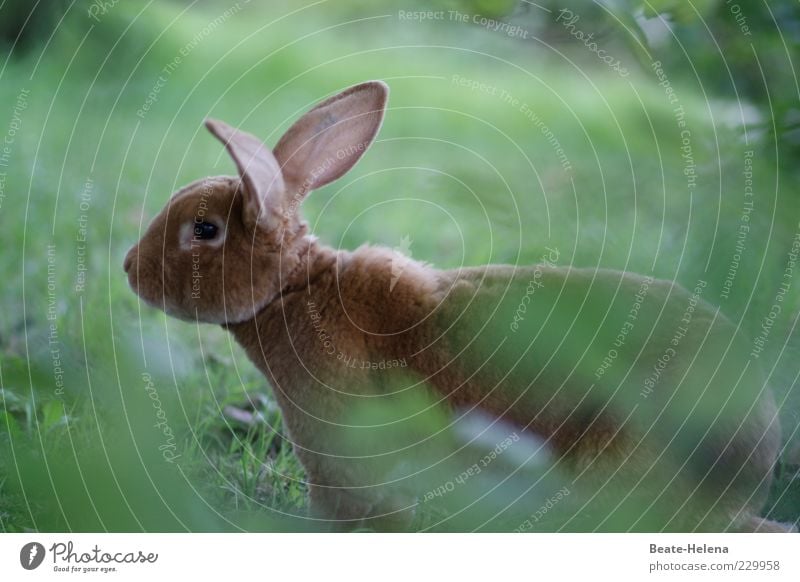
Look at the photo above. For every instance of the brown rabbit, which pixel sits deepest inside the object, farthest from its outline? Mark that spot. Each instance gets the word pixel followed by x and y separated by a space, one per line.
pixel 643 390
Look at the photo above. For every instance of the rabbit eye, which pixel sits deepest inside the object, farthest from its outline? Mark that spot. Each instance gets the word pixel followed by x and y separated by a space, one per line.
pixel 205 230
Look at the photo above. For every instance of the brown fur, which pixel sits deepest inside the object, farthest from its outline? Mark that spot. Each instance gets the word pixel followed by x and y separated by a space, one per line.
pixel 304 312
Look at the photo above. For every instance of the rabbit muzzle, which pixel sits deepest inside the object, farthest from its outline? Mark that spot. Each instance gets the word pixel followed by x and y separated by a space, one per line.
pixel 143 277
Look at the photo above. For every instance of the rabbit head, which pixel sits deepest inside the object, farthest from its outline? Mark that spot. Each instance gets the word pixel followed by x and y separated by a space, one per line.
pixel 224 247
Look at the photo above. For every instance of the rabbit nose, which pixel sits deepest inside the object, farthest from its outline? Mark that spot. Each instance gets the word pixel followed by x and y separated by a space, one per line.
pixel 128 261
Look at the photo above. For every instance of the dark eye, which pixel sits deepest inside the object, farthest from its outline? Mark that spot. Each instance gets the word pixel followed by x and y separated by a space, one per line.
pixel 205 230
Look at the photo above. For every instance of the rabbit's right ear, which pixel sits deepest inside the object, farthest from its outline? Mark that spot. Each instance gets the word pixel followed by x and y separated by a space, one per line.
pixel 259 171
pixel 328 140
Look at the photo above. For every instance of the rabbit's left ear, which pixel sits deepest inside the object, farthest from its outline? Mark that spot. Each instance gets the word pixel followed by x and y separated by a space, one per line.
pixel 260 173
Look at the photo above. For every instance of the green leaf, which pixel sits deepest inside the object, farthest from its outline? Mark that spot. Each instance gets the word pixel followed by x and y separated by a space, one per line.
pixel 10 401
pixel 10 425
pixel 491 8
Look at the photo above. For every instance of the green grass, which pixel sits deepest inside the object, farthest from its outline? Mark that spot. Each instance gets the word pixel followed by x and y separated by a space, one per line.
pixel 494 191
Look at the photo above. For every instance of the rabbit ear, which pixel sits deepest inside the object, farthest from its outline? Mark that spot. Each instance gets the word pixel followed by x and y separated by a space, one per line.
pixel 260 173
pixel 328 140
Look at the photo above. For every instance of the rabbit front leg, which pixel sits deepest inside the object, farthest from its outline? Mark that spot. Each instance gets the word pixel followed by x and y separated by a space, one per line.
pixel 348 489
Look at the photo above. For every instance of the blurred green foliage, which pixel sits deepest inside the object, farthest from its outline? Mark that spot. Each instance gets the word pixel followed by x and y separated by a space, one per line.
pixel 27 23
